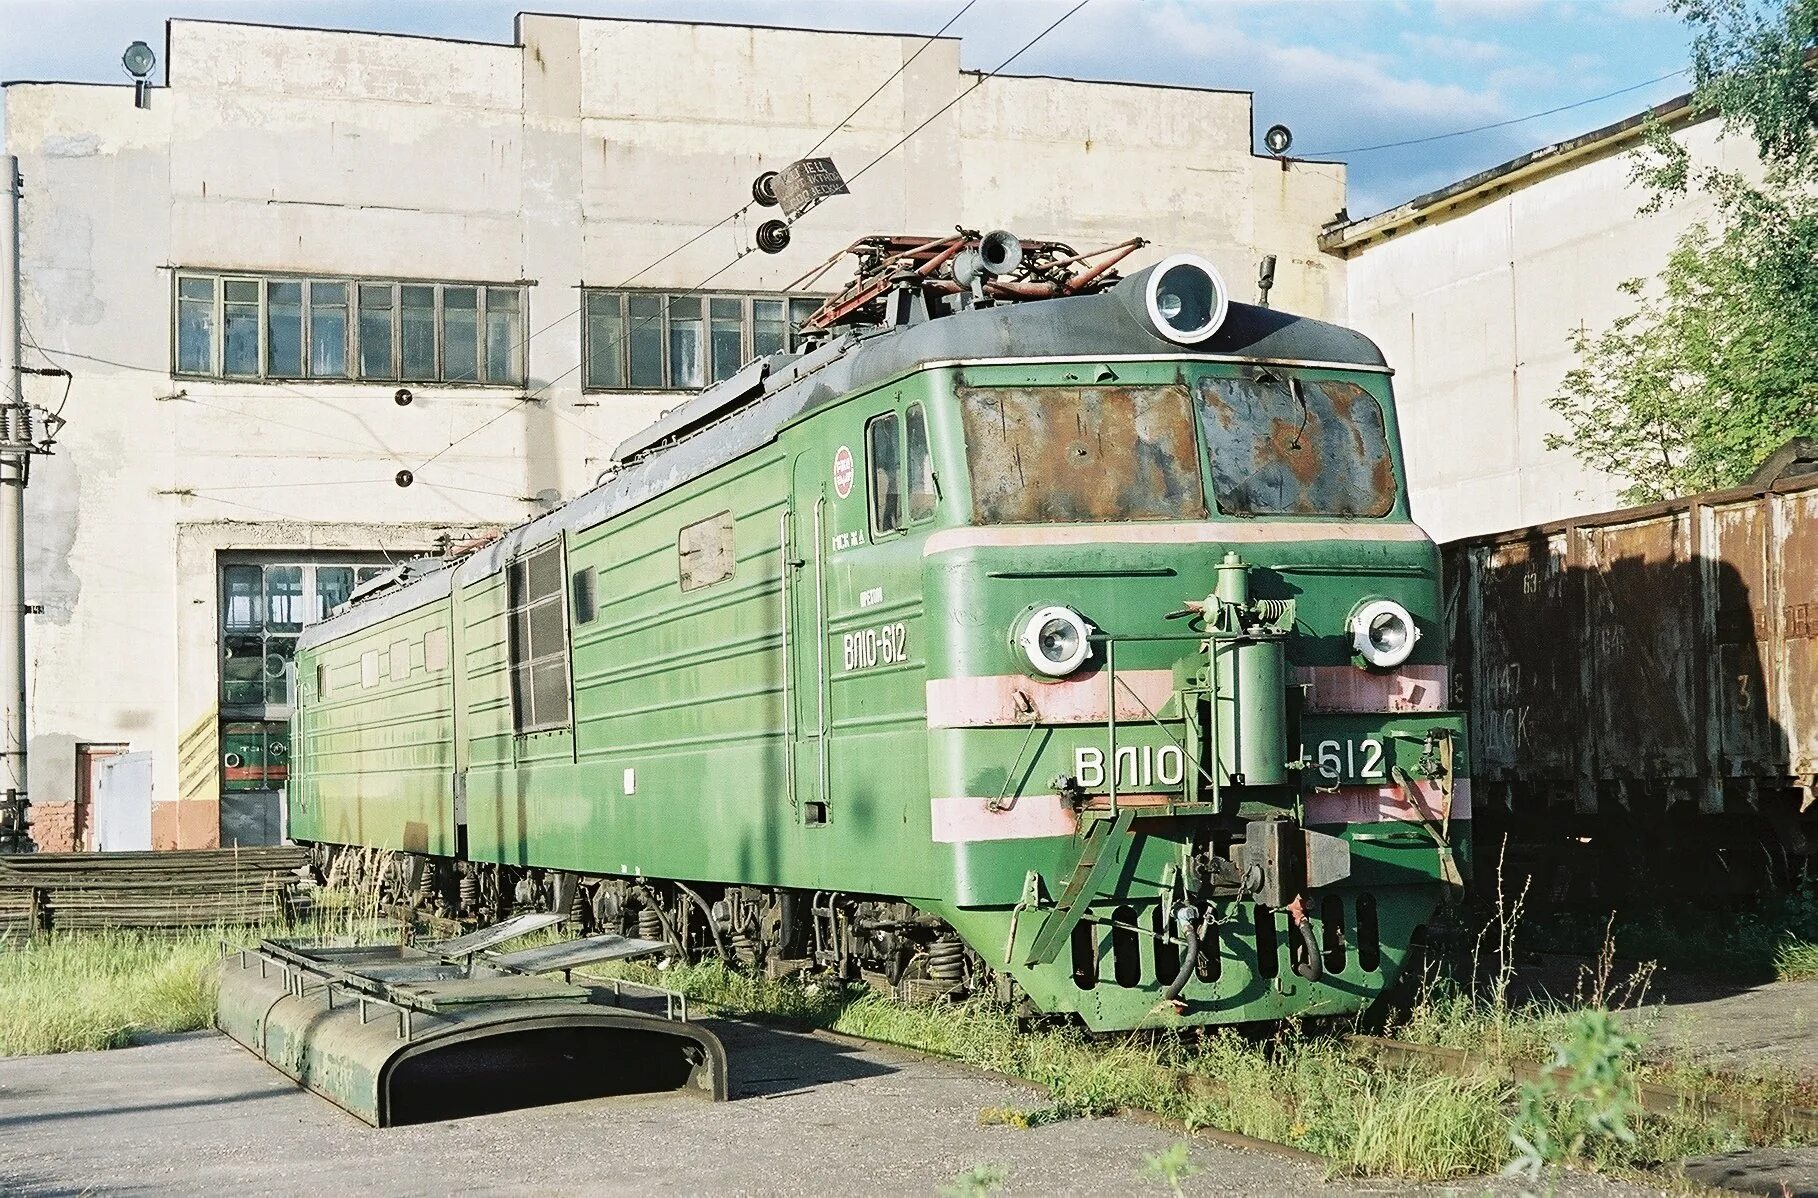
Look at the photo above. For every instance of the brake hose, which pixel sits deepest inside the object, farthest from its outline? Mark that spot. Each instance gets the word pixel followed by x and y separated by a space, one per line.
pixel 1186 926
pixel 1311 968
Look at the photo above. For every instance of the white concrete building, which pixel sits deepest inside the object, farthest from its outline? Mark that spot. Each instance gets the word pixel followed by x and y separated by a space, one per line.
pixel 1474 291
pixel 306 229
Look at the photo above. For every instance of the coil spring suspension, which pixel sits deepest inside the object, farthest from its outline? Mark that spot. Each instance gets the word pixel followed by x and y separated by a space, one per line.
pixel 470 890
pixel 947 960
pixel 649 926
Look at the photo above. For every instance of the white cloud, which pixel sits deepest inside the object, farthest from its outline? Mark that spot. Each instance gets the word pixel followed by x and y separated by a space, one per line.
pixel 1482 10
pixel 1456 49
pixel 1348 80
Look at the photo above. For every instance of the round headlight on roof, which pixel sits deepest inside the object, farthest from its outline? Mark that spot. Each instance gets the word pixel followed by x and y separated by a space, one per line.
pixel 1383 633
pixel 1186 298
pixel 1056 640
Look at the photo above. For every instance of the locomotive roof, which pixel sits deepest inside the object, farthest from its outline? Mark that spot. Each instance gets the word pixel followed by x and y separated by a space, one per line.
pixel 747 410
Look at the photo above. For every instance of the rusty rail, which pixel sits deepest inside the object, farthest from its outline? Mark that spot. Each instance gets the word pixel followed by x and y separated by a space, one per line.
pixel 1654 1097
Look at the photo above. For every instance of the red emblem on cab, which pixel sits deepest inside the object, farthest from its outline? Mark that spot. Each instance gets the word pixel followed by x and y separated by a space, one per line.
pixel 842 472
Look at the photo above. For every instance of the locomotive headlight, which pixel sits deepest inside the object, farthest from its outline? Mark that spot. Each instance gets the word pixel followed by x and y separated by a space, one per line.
pixel 1187 299
pixel 1056 640
pixel 1383 633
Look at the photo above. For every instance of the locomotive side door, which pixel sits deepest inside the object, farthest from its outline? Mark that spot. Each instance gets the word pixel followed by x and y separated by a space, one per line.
pixel 805 636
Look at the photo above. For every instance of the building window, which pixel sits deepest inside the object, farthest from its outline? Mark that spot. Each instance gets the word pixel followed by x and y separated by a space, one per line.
pixel 651 341
pixel 264 606
pixel 539 640
pixel 255 755
pixel 278 327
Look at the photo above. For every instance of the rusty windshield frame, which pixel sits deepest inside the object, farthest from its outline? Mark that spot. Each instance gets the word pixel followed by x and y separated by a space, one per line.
pixel 1041 454
pixel 1279 443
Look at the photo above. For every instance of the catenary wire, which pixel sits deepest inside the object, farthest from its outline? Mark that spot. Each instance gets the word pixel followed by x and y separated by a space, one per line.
pixel 1532 116
pixel 969 89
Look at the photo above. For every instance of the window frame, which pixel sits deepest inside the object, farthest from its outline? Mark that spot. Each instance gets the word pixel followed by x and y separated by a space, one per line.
pixel 907 520
pixel 747 301
pixel 515 376
pixel 878 532
pixel 522 704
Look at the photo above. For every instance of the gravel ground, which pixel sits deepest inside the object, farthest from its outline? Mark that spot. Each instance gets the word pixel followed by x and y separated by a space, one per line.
pixel 197 1114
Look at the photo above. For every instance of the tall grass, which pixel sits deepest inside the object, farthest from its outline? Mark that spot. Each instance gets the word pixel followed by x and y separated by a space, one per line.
pixel 91 990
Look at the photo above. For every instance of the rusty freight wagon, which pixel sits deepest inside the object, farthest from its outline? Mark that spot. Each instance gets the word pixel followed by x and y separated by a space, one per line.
pixel 1643 686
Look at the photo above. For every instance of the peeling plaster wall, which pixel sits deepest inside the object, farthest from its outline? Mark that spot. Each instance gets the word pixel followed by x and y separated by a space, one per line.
pixel 575 156
pixel 1475 312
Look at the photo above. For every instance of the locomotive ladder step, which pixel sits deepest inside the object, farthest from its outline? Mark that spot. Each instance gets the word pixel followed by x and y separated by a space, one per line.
pixel 1095 863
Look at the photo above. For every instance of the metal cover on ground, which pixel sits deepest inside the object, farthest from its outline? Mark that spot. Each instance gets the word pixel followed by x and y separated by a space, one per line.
pixel 498 933
pixel 506 988
pixel 571 953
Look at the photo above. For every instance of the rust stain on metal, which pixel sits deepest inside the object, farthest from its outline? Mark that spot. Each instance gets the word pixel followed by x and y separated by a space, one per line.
pixel 1065 454
pixel 1284 446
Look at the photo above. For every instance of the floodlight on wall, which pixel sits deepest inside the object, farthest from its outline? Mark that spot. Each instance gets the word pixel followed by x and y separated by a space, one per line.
pixel 1278 139
pixel 139 61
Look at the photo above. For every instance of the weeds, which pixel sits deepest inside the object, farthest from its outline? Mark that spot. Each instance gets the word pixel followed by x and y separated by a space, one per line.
pixel 1588 1096
pixel 977 1182
pixel 1170 1167
pixel 92 990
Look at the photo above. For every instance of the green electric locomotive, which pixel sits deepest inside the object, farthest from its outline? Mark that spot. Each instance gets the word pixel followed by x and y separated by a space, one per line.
pixel 1031 631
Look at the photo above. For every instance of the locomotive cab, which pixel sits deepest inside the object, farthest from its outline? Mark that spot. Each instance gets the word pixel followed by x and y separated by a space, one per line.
pixel 1189 742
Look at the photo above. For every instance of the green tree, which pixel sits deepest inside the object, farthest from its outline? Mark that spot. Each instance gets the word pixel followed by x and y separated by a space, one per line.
pixel 1717 363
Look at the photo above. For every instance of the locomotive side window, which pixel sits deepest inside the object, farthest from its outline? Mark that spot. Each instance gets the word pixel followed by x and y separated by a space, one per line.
pixel 586 595
pixel 1285 446
pixel 539 640
pixel 1062 454
pixel 920 464
pixel 704 549
pixel 884 462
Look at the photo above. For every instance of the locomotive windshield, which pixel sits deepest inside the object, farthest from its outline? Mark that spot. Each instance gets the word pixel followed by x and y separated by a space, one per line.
pixel 1279 446
pixel 1285 446
pixel 1061 454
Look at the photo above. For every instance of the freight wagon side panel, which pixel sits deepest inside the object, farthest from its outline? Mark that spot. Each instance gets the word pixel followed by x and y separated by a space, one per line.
pixel 1641 603
pixel 1516 634
pixel 374 754
pixel 1740 673
pixel 1795 536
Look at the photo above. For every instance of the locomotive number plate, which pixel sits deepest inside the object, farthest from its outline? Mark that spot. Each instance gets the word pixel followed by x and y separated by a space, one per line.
pixel 1348 759
pixel 885 646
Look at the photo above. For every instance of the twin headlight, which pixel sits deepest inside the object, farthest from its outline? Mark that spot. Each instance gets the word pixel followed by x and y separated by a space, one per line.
pixel 1056 640
pixel 1383 633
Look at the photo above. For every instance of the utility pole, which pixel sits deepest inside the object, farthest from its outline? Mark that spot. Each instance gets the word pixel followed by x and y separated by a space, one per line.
pixel 24 431
pixel 13 465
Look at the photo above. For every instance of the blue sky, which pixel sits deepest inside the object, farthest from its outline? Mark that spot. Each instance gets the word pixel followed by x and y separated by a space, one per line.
pixel 1343 74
